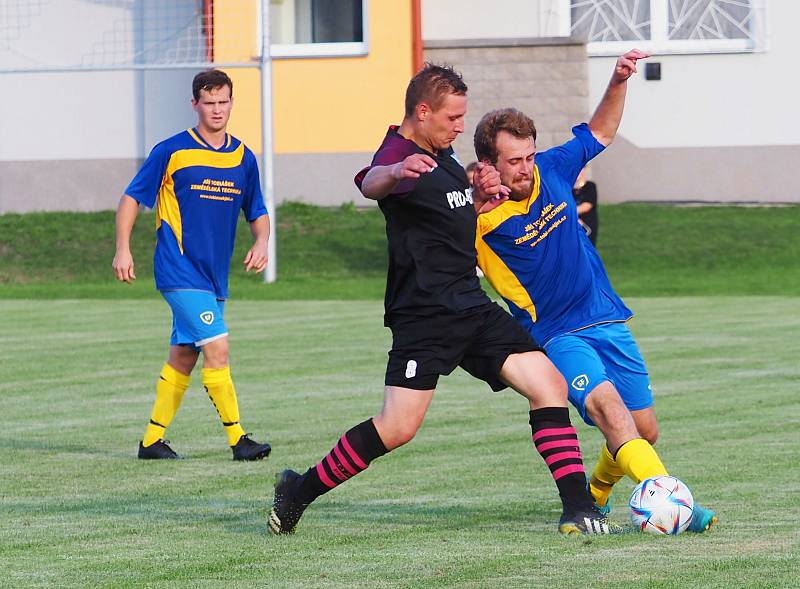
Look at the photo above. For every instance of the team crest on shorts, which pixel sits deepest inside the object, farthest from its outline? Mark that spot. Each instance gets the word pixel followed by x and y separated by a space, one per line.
pixel 411 369
pixel 207 317
pixel 580 382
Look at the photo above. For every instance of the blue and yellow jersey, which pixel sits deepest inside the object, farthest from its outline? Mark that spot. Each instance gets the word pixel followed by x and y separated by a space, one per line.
pixel 197 192
pixel 537 256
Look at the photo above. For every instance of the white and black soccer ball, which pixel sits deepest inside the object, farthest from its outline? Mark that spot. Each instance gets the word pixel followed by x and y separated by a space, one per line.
pixel 661 505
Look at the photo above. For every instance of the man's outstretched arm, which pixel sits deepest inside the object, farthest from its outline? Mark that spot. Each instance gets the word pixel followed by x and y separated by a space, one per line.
pixel 381 180
pixel 605 121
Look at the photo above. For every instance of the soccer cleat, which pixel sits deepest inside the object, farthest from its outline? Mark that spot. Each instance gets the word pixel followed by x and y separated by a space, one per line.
pixel 286 510
pixel 247 449
pixel 702 519
pixel 159 450
pixel 587 522
pixel 605 510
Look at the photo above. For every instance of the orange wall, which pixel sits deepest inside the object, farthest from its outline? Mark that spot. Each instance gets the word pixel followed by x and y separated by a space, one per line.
pixel 341 104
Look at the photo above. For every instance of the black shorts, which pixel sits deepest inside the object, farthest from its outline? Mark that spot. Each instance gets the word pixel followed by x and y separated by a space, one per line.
pixel 479 340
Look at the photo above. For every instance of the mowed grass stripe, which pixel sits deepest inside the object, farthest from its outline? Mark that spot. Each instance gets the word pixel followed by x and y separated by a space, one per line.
pixel 467 504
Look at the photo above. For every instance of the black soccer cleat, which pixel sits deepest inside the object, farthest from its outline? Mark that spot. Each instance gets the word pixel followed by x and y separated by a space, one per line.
pixel 247 449
pixel 286 510
pixel 590 522
pixel 159 450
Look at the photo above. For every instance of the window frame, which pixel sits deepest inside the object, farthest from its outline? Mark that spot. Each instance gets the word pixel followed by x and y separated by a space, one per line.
pixel 660 43
pixel 311 50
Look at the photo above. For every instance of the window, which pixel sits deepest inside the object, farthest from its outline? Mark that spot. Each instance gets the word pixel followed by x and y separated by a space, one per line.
pixel 314 28
pixel 669 26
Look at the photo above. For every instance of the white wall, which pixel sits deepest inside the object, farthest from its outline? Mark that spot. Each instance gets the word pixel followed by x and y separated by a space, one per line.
pixel 86 115
pixel 740 99
pixel 497 19
pixel 70 116
pixel 702 100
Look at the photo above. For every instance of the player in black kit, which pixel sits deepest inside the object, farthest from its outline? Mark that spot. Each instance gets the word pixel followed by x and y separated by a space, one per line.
pixel 439 316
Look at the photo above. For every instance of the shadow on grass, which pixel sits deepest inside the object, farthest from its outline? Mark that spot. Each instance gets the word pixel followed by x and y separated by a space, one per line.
pixel 248 516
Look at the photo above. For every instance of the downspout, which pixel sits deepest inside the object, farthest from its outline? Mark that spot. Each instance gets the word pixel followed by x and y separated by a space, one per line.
pixel 208 28
pixel 416 36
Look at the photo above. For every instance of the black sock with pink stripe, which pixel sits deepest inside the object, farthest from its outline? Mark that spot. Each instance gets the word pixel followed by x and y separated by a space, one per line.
pixel 351 454
pixel 556 440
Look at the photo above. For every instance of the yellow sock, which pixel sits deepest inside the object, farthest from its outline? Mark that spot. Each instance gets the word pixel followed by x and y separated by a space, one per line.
pixel 169 394
pixel 605 475
pixel 638 460
pixel 222 393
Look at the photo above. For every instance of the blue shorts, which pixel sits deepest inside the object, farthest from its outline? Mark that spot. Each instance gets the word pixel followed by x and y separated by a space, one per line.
pixel 197 317
pixel 605 352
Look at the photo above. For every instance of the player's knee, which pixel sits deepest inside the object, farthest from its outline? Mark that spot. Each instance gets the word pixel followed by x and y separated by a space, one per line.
pixel 649 431
pixel 559 384
pixel 607 410
pixel 406 434
pixel 399 435
pixel 183 365
pixel 549 389
pixel 215 354
pixel 647 425
pixel 604 402
pixel 182 358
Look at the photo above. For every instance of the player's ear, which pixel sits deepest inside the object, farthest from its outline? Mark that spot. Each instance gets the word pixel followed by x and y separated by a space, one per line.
pixel 423 110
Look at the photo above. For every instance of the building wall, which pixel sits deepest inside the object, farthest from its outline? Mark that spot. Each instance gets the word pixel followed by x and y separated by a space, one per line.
pixel 545 78
pixel 330 114
pixel 449 20
pixel 76 139
pixel 716 127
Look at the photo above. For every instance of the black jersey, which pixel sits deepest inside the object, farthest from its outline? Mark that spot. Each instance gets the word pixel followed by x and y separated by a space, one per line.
pixel 588 193
pixel 430 225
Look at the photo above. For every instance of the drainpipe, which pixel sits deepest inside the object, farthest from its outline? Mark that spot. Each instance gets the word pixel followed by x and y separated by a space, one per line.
pixel 416 36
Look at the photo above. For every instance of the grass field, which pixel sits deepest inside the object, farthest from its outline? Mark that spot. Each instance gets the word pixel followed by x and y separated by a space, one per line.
pixel 650 250
pixel 467 504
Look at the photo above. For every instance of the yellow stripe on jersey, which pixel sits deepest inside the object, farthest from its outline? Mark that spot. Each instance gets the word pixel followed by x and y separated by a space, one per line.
pixel 490 221
pixel 195 137
pixel 167 210
pixel 185 158
pixel 228 142
pixel 502 279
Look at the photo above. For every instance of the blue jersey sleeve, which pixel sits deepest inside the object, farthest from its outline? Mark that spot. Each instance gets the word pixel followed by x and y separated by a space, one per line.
pixel 570 158
pixel 145 185
pixel 253 199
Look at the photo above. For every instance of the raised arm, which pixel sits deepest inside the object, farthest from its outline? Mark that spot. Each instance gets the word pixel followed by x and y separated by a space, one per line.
pixel 127 210
pixel 381 180
pixel 605 121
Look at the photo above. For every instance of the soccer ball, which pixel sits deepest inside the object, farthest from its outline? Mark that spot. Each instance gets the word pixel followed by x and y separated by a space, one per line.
pixel 661 505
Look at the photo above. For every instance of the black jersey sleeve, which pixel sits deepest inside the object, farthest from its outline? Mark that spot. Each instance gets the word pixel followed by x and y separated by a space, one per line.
pixel 395 148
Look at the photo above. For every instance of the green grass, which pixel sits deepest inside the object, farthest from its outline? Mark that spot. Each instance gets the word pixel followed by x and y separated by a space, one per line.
pixel 466 504
pixel 340 253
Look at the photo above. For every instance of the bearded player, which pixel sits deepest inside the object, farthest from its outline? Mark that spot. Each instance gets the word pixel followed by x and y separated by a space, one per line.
pixel 536 255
